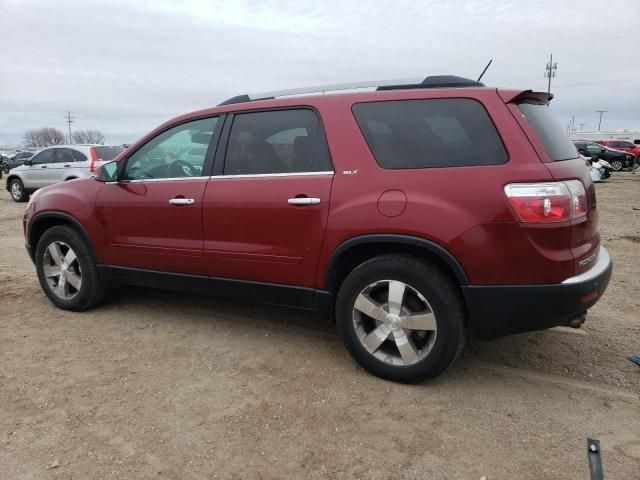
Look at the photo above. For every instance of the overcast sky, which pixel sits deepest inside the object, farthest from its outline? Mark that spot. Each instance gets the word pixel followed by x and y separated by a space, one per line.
pixel 124 67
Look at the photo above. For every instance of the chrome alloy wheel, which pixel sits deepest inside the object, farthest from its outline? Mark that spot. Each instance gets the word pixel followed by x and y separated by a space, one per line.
pixel 62 270
pixel 394 322
pixel 16 190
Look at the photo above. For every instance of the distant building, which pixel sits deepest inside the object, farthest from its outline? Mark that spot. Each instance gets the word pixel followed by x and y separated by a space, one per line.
pixel 618 135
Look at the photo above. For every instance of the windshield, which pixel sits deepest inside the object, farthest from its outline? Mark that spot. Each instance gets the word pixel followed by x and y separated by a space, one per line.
pixel 555 140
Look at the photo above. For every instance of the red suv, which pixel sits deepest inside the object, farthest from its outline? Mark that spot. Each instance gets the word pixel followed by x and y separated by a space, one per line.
pixel 415 213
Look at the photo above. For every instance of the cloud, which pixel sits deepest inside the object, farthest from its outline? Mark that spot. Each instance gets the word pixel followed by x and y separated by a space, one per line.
pixel 125 67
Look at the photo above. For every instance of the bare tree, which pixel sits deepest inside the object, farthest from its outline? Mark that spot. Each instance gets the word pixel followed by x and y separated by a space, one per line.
pixel 43 137
pixel 88 136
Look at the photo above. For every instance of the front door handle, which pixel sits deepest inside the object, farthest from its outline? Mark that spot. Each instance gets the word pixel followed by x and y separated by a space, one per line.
pixel 303 201
pixel 43 166
pixel 182 201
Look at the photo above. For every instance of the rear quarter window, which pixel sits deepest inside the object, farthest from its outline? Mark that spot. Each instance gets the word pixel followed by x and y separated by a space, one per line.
pixel 108 152
pixel 556 142
pixel 453 132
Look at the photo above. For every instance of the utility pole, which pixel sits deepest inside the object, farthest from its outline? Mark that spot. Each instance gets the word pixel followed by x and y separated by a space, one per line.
pixel 573 123
pixel 600 121
pixel 69 121
pixel 550 72
pixel 581 125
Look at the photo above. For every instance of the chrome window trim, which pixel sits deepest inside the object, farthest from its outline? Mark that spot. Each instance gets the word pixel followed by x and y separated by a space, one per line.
pixel 250 175
pixel 268 175
pixel 173 179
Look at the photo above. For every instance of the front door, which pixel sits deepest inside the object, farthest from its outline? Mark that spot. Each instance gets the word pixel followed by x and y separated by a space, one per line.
pixel 151 218
pixel 265 210
pixel 37 174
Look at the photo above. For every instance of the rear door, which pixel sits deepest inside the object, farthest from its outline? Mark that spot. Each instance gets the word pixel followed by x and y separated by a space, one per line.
pixel 37 174
pixel 151 218
pixel 265 209
pixel 62 165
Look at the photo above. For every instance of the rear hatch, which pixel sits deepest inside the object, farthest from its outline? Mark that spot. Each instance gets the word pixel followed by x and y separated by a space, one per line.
pixel 561 158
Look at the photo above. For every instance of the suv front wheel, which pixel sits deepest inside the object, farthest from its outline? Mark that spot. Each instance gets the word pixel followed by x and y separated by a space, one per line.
pixel 67 271
pixel 17 191
pixel 401 318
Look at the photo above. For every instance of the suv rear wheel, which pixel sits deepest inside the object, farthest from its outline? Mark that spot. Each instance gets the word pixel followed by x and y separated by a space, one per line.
pixel 401 318
pixel 17 191
pixel 67 271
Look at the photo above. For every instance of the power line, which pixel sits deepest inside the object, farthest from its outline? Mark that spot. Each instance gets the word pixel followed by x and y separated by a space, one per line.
pixel 600 121
pixel 69 121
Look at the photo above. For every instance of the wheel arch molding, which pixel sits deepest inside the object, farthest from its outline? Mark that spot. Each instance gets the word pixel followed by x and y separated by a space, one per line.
pixel 41 222
pixel 370 245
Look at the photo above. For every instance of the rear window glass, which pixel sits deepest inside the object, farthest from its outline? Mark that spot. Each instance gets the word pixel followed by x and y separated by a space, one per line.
pixel 453 132
pixel 108 153
pixel 555 140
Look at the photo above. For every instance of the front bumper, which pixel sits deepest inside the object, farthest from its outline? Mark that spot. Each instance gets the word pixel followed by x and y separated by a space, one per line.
pixel 499 310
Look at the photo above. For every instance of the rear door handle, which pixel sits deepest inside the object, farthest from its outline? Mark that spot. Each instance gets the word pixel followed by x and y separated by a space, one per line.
pixel 303 201
pixel 43 166
pixel 182 201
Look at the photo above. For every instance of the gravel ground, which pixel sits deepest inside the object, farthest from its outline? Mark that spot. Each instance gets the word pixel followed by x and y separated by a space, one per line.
pixel 163 385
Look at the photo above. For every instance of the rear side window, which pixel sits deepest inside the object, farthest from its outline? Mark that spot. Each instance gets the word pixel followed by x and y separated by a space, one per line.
pixel 452 132
pixel 78 156
pixel 555 140
pixel 277 141
pixel 107 153
pixel 62 155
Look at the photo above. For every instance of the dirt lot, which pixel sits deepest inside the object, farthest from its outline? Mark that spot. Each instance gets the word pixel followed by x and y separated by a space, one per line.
pixel 161 385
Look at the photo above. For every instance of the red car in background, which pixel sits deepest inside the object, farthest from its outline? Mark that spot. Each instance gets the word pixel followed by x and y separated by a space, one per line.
pixel 624 146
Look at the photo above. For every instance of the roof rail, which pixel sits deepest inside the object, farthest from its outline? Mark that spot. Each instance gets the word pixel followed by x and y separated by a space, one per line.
pixel 434 81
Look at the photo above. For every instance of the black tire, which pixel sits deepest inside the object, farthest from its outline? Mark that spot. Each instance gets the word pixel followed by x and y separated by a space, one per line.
pixel 616 165
pixel 92 290
pixel 435 286
pixel 16 189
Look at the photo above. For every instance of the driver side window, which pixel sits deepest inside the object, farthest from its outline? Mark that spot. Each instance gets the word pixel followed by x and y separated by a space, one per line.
pixel 43 157
pixel 178 152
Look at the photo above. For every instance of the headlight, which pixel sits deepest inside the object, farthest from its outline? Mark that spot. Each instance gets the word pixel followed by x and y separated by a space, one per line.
pixel 33 197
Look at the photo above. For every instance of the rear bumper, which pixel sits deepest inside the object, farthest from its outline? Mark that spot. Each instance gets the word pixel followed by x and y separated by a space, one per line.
pixel 499 310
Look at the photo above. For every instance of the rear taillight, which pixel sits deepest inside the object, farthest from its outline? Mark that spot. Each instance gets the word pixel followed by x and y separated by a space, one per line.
pixel 547 202
pixel 94 160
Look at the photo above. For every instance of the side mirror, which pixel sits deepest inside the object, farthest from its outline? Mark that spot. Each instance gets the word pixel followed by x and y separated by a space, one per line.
pixel 27 162
pixel 107 172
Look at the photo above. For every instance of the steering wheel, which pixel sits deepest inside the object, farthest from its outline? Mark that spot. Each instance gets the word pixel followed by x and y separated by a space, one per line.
pixel 180 168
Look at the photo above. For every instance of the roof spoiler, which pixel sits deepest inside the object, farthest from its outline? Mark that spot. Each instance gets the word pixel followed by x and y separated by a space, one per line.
pixel 515 96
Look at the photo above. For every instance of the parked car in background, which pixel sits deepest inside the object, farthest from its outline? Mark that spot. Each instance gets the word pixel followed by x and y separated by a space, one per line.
pixel 15 160
pixel 57 164
pixel 623 146
pixel 616 158
pixel 599 169
pixel 605 167
pixel 378 206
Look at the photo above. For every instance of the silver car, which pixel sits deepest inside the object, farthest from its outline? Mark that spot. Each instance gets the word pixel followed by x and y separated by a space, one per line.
pixel 57 164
